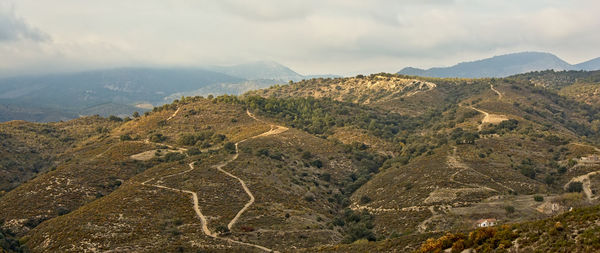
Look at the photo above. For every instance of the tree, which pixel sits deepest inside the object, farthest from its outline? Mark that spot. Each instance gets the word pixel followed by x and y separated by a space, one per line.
pixel 125 137
pixel 136 114
pixel 365 199
pixel 222 230
pixel 575 187
pixel 114 118
pixel 317 163
pixel 230 147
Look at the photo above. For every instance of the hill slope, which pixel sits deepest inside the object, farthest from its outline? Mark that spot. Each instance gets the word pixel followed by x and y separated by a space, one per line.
pixel 122 91
pixel 322 164
pixel 593 64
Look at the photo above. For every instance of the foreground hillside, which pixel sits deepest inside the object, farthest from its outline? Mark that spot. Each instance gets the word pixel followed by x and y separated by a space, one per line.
pixel 343 164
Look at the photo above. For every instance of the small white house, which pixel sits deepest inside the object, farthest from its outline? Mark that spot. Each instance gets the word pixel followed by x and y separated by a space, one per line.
pixel 486 223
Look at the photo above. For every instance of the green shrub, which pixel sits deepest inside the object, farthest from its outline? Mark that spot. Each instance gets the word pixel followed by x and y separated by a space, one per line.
pixel 575 187
pixel 365 199
pixel 125 137
pixel 230 147
pixel 157 138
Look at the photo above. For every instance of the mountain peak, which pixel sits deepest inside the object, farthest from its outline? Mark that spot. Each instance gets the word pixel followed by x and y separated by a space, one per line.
pixel 259 70
pixel 500 66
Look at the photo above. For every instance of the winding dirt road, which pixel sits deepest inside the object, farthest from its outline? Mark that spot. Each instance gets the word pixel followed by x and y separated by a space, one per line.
pixel 275 129
pixel 497 92
pixel 587 184
pixel 489 118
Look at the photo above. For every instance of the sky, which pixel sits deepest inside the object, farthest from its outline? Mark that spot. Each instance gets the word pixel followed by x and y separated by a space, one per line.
pixel 343 37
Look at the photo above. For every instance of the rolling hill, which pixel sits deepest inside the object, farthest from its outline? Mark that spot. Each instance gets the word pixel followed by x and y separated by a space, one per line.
pixel 123 91
pixel 380 162
pixel 503 66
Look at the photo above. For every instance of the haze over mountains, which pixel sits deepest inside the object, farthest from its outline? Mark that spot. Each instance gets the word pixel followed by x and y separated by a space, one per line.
pixel 503 66
pixel 122 91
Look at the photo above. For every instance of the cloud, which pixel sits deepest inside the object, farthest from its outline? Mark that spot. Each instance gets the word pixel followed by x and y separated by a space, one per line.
pixel 14 28
pixel 268 10
pixel 311 36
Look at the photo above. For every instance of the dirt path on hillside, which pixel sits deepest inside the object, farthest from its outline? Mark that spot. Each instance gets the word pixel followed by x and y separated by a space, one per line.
pixel 489 118
pixel 587 145
pixel 454 162
pixel 497 92
pixel 174 114
pixel 587 184
pixel 275 129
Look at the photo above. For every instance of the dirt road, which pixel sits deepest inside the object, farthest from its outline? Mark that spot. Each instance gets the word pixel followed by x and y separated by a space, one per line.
pixel 275 129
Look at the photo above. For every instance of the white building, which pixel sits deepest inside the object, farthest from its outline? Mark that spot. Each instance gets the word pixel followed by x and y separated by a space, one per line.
pixel 486 223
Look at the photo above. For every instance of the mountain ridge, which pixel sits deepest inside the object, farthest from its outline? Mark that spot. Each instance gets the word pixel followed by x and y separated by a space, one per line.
pixel 121 91
pixel 503 66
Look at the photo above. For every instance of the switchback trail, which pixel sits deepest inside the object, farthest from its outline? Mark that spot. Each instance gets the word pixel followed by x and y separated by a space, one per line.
pixel 275 129
pixel 454 162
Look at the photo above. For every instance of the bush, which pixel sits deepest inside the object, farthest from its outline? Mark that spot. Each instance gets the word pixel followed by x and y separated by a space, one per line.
pixel 222 230
pixel 62 211
pixel 230 147
pixel 125 137
pixel 509 209
pixel 306 155
pixel 173 156
pixel 326 177
pixel 365 199
pixel 193 151
pixel 157 138
pixel 309 197
pixel 549 179
pixel 538 198
pixel 317 163
pixel 114 118
pixel 528 172
pixel 575 187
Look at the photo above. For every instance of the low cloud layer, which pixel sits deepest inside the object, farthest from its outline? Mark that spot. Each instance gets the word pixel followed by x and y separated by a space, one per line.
pixel 13 28
pixel 310 36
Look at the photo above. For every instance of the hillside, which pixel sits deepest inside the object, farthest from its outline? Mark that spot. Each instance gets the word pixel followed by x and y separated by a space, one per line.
pixel 30 148
pixel 502 66
pixel 455 183
pixel 330 164
pixel 122 91
pixel 582 86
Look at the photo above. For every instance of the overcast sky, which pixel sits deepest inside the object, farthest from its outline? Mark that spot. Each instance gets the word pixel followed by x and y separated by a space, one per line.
pixel 310 36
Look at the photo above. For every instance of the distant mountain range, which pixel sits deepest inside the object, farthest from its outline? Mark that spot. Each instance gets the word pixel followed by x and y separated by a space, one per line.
pixel 122 91
pixel 503 65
